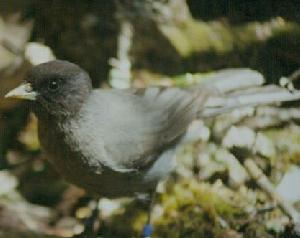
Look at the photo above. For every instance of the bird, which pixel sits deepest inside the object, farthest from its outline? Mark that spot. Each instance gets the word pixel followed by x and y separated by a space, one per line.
pixel 117 142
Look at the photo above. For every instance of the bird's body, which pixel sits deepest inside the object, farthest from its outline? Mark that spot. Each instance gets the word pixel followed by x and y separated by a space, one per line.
pixel 121 142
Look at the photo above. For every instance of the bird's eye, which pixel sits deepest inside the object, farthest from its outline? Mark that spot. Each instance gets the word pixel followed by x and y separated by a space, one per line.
pixel 53 85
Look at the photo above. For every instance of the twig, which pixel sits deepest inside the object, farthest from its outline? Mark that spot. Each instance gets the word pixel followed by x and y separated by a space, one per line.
pixel 258 176
pixel 295 75
pixel 120 74
pixel 271 116
pixel 287 82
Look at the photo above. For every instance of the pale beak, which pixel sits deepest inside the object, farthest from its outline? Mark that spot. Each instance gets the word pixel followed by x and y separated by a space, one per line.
pixel 24 91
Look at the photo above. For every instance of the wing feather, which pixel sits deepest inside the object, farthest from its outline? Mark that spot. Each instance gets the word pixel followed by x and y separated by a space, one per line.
pixel 152 120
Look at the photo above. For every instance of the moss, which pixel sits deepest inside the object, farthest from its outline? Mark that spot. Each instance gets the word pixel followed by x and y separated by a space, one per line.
pixel 255 230
pixel 29 136
pixel 193 209
pixel 287 144
pixel 195 36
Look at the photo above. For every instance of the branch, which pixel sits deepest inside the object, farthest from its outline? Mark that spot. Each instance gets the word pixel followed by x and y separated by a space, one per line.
pixel 264 183
pixel 120 74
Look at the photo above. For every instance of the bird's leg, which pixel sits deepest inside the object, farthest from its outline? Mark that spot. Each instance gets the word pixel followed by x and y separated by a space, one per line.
pixel 148 229
pixel 89 224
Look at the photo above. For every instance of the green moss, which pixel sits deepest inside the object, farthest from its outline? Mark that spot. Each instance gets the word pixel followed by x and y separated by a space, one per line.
pixel 193 209
pixel 195 36
pixel 287 145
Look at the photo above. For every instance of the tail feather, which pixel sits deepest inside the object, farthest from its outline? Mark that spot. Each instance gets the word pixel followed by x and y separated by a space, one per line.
pixel 228 80
pixel 248 97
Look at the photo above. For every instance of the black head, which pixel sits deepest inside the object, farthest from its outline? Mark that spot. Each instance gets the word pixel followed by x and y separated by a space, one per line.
pixel 58 88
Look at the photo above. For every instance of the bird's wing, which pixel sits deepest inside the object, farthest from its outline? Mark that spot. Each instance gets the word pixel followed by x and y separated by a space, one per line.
pixel 139 124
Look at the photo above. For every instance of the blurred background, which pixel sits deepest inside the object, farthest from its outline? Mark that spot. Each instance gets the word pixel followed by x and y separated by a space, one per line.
pixel 215 191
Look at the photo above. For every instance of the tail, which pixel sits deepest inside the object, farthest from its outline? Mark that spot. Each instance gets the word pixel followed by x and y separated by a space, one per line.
pixel 236 88
pixel 228 80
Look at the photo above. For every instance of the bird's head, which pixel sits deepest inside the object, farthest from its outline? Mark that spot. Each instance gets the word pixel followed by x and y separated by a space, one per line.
pixel 58 88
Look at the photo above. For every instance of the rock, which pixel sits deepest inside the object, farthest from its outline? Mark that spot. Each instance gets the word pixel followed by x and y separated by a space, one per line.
pixel 37 53
pixel 14 35
pixel 242 137
pixel 227 120
pixel 264 146
pixel 237 173
pixel 197 131
pixel 209 166
pixel 109 207
pixel 288 187
pixel 8 182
